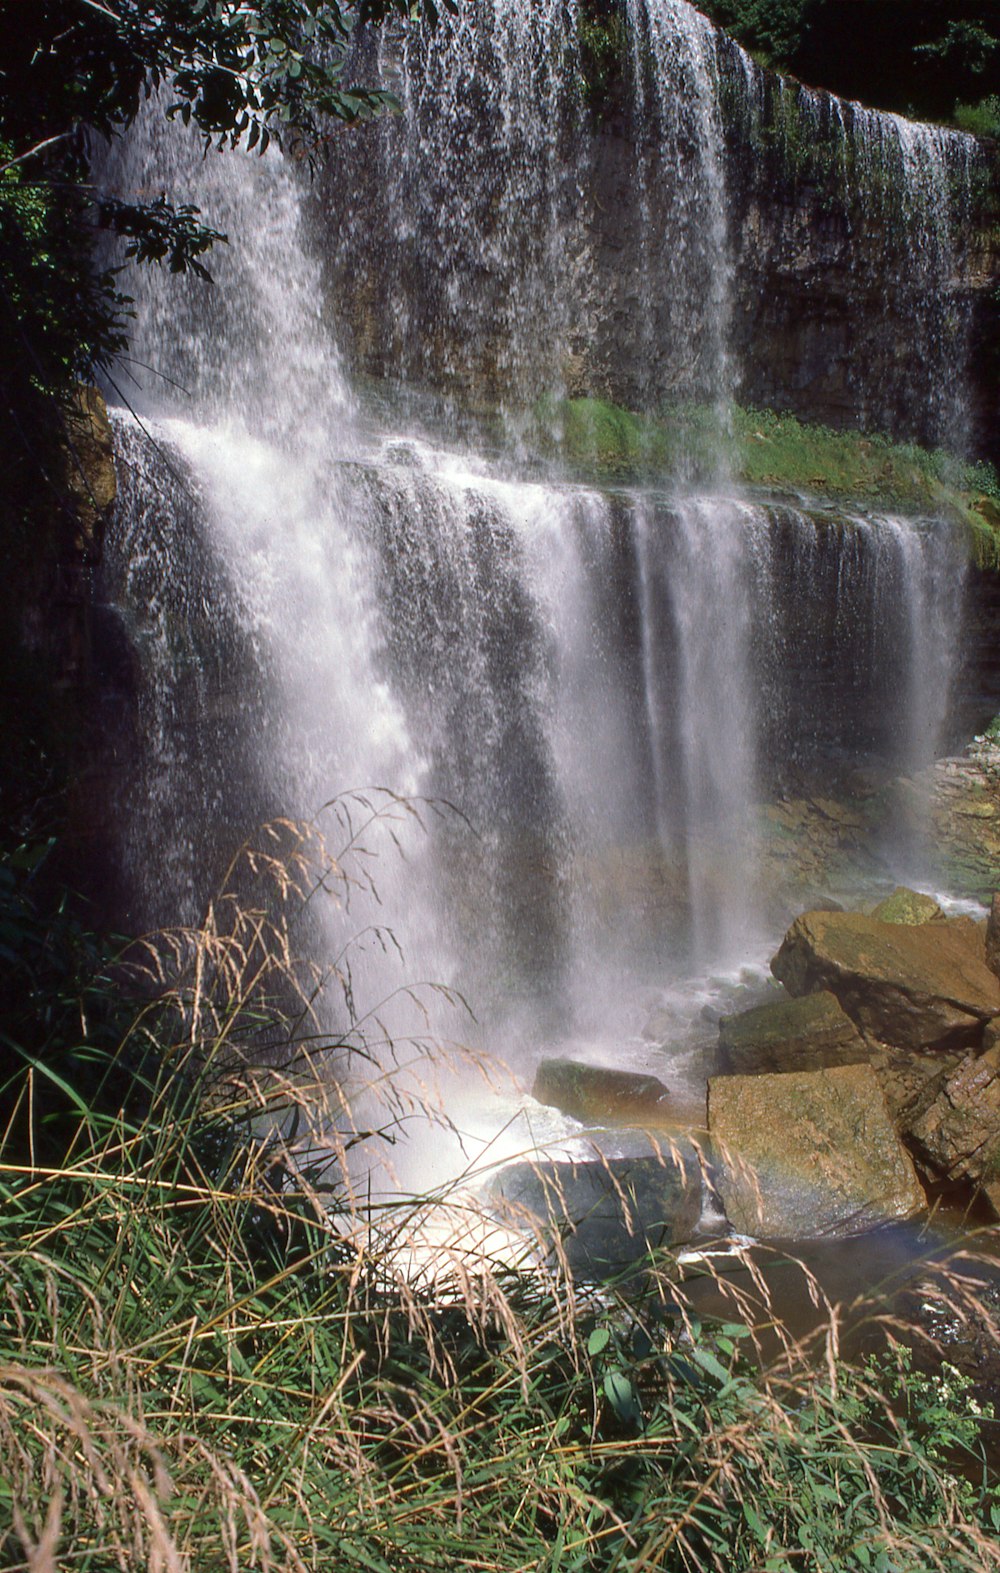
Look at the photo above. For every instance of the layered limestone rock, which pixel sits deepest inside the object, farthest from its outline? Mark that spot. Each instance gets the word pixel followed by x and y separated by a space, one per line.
pixel 809 1154
pixel 915 987
pixel 600 1096
pixel 811 1033
pixel 910 1082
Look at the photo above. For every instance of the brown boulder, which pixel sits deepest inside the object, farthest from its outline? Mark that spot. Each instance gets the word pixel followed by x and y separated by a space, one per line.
pixel 958 1134
pixel 915 987
pixel 805 1034
pixel 810 1154
pixel 600 1096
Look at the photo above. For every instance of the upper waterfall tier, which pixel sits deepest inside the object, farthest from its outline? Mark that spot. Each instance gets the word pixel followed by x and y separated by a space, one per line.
pixel 694 229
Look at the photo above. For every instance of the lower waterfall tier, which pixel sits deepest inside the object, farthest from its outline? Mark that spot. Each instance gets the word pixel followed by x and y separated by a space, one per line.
pixel 608 703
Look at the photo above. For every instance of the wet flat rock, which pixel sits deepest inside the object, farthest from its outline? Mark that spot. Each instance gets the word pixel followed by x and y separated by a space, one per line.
pixel 608 1213
pixel 923 986
pixel 810 1154
pixel 809 1033
pixel 598 1095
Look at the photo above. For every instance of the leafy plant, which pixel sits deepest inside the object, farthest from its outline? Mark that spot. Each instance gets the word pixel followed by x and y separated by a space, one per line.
pixel 72 71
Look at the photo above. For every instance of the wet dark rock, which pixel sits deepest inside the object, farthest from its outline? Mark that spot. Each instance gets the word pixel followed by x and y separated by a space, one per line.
pixel 608 1213
pixel 598 1095
pixel 993 935
pixel 809 1155
pixel 923 987
pixel 89 460
pixel 810 1033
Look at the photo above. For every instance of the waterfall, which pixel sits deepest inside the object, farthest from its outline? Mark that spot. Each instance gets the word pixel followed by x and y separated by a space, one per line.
pixel 916 180
pixel 707 577
pixel 683 250
pixel 462 205
pixel 328 588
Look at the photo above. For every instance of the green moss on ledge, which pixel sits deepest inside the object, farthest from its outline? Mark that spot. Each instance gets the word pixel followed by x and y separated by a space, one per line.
pixel 779 454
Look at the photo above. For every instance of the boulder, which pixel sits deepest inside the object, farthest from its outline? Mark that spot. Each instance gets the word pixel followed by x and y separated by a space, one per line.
pixel 958 1134
pixel 907 906
pixel 993 935
pixel 608 1213
pixel 910 1082
pixel 915 987
pixel 810 1154
pixel 803 1034
pixel 600 1096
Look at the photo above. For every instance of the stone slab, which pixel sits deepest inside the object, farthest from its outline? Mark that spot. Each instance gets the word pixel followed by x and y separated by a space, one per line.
pixel 810 1154
pixel 600 1095
pixel 915 987
pixel 808 1033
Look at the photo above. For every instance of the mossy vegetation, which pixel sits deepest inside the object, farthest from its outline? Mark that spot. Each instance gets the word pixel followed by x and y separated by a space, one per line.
pixel 777 453
pixel 981 119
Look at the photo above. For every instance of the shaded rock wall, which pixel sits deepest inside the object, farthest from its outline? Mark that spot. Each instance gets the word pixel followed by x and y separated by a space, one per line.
pixel 855 285
pixel 59 485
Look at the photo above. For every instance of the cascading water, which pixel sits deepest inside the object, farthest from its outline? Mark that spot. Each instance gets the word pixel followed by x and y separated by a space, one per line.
pixel 468 202
pixel 920 176
pixel 684 262
pixel 607 682
pixel 701 574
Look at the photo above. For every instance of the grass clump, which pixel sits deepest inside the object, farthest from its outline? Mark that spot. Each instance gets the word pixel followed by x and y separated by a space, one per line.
pixel 606 441
pixel 784 452
pixel 693 444
pixel 218 1350
pixel 981 119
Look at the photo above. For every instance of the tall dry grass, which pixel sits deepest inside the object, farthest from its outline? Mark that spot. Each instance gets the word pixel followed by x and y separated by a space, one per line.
pixel 219 1351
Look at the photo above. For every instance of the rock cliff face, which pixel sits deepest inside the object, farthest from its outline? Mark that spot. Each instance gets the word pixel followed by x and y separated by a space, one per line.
pixel 710 230
pixel 865 265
